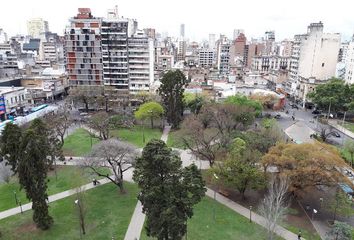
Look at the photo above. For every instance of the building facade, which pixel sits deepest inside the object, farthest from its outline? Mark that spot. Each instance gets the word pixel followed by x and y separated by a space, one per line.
pixel 37 26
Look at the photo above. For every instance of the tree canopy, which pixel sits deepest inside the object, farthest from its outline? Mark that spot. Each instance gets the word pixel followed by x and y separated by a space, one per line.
pixel 149 110
pixel 334 93
pixel 245 101
pixel 306 164
pixel 168 191
pixel 171 91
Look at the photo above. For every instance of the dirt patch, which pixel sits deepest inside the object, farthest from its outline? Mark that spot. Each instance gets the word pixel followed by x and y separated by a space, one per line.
pixel 27 228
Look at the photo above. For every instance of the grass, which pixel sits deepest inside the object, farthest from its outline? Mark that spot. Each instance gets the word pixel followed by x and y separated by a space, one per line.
pixel 67 177
pixel 134 135
pixel 78 143
pixel 108 215
pixel 228 224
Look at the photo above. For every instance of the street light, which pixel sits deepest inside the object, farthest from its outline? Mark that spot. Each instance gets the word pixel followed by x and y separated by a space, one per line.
pixel 250 214
pixel 19 202
pixel 313 213
pixel 16 200
pixel 216 177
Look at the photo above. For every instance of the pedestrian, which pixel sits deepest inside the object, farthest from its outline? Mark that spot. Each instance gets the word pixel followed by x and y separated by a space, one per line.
pixel 293 118
pixel 299 235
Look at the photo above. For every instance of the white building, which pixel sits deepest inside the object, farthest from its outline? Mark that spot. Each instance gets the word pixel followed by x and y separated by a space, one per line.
pixel 3 36
pixel 13 98
pixel 212 41
pixel 314 59
pixel 223 55
pixel 37 26
pixel 266 63
pixel 349 63
pixel 237 33
pixel 206 57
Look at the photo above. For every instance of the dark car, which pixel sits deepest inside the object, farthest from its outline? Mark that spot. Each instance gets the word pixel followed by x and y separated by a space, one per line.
pixel 294 106
pixel 316 111
pixel 278 116
pixel 336 134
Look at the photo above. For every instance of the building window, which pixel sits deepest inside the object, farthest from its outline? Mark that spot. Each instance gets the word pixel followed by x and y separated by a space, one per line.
pixel 322 64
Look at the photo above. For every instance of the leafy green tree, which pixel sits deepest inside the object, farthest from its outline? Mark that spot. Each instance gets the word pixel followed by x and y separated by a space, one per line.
pixel 171 92
pixel 194 102
pixel 341 205
pixel 30 161
pixel 340 231
pixel 335 95
pixel 149 110
pixel 168 191
pixel 239 170
pixel 349 147
pixel 241 100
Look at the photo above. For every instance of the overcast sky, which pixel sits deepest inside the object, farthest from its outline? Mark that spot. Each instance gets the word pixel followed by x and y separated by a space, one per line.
pixel 201 17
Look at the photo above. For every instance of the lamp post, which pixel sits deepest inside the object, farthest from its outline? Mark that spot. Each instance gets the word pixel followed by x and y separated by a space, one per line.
pixel 81 219
pixel 19 202
pixel 250 214
pixel 16 200
pixel 313 213
pixel 216 177
pixel 321 202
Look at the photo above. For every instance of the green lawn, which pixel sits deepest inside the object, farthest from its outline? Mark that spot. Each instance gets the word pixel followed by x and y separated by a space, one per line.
pixel 134 135
pixel 228 224
pixel 78 143
pixel 108 215
pixel 67 177
pixel 305 234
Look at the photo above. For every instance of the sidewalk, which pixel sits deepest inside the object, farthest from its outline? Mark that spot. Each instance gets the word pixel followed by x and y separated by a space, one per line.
pixel 334 124
pixel 280 231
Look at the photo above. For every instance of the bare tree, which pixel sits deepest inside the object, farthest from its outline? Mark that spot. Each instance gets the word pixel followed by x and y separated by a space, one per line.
pixel 274 204
pixel 59 123
pixel 112 153
pixel 80 203
pixel 5 172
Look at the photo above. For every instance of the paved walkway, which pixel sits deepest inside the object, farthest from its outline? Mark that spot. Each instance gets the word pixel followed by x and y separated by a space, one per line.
pixel 137 221
pixel 280 231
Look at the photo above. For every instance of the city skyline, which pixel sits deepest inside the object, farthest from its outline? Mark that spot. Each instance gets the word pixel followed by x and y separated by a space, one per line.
pixel 210 18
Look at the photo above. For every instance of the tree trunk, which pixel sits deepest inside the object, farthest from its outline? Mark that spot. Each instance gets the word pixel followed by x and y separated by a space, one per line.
pixel 152 122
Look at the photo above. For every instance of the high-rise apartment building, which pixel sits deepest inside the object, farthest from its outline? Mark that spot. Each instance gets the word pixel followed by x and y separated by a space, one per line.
pixel 314 59
pixel 181 50
pixel 37 26
pixel 237 50
pixel 212 41
pixel 206 57
pixel 223 55
pixel 349 62
pixel 182 31
pixel 83 49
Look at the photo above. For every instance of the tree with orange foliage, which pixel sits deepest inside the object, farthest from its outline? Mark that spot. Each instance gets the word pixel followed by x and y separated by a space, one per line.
pixel 307 164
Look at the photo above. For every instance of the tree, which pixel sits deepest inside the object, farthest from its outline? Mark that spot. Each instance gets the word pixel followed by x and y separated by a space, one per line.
pixel 171 92
pixel 31 160
pixel 349 147
pixel 306 164
pixel 80 202
pixel 118 156
pixel 340 231
pixel 59 123
pixel 200 140
pixel 341 205
pixel 274 204
pixel 32 172
pixel 86 95
pixel 149 110
pixel 100 123
pixel 334 95
pixel 241 100
pixel 195 101
pixel 239 170
pixel 268 101
pixel 168 191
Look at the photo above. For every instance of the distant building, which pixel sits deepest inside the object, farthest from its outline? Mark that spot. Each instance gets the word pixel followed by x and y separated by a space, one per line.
pixel 206 57
pixel 349 62
pixel 182 31
pixel 223 55
pixel 237 33
pixel 3 36
pixel 12 101
pixel 83 49
pixel 314 59
pixel 237 49
pixel 212 41
pixel 37 26
pixel 267 63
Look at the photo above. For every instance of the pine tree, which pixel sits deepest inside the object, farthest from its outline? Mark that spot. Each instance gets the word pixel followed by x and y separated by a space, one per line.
pixel 168 191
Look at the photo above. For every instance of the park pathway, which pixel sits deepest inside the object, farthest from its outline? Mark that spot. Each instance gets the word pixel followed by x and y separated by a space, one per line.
pixel 137 221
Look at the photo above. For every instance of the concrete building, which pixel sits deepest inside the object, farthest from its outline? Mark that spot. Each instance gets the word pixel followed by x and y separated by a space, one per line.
pixel 141 62
pixel 269 41
pixel 252 49
pixel 83 49
pixel 37 26
pixel 284 48
pixel 237 49
pixel 343 51
pixel 3 36
pixel 212 41
pixel 266 63
pixel 181 50
pixel 223 55
pixel 314 59
pixel 349 63
pixel 12 101
pixel 237 33
pixel 206 57
pixel 182 31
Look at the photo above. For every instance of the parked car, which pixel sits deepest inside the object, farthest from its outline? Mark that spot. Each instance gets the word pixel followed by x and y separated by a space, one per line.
pixel 278 116
pixel 294 106
pixel 336 134
pixel 316 111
